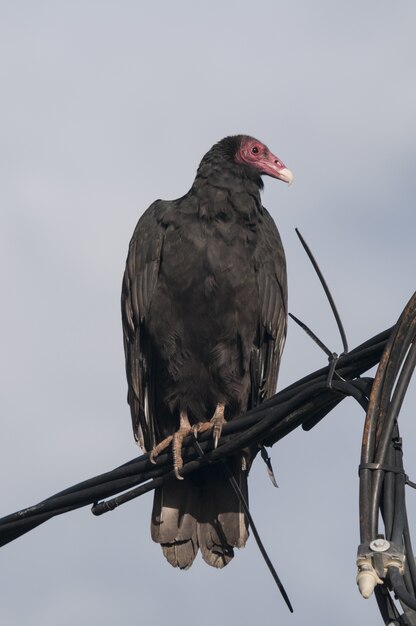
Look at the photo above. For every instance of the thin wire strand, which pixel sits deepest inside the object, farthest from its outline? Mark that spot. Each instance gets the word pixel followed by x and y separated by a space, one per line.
pixel 311 334
pixel 256 535
pixel 326 289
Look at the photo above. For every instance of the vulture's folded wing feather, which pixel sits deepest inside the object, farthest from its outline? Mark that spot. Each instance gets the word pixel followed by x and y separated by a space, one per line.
pixel 272 285
pixel 139 282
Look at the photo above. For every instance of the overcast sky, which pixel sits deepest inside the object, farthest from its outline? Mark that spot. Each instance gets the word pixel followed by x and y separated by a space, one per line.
pixel 106 106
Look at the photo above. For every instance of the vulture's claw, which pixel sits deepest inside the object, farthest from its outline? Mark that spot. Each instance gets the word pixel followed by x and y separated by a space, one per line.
pixel 159 448
pixel 216 423
pixel 185 429
pixel 176 440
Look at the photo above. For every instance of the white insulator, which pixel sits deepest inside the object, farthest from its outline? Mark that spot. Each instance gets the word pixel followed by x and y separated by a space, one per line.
pixel 367 578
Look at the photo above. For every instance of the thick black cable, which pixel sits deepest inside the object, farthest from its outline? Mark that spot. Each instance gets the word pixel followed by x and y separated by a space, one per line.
pixel 382 475
pixel 399 588
pixel 139 473
pixel 387 415
pixel 399 501
pixel 302 403
pixel 396 347
pixel 411 564
pixel 388 496
pixel 387 608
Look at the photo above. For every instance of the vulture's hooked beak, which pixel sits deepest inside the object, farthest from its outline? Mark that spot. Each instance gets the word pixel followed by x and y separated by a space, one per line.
pixel 273 166
pixel 286 175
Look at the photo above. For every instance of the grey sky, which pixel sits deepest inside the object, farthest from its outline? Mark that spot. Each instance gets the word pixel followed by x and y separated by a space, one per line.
pixel 106 106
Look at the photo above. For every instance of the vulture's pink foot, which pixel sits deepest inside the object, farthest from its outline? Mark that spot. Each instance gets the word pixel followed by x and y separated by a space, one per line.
pixel 216 423
pixel 176 439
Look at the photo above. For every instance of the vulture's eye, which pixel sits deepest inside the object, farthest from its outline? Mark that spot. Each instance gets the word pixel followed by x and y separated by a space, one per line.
pixel 255 150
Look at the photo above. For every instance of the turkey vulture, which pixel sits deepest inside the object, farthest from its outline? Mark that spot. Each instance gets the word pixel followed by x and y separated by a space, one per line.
pixel 204 309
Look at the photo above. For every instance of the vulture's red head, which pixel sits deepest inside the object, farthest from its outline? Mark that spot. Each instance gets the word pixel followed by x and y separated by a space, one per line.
pixel 255 154
pixel 244 157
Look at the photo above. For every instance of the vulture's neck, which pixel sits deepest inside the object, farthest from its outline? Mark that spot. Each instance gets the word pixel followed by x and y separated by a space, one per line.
pixel 223 186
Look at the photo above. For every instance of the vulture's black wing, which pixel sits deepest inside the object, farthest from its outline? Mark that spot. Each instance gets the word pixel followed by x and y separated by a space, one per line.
pixel 139 282
pixel 270 267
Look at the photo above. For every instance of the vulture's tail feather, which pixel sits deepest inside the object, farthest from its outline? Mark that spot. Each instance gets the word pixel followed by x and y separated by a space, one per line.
pixel 201 512
pixel 174 523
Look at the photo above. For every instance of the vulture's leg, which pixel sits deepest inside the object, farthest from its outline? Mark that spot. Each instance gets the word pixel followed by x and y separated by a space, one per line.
pixel 176 439
pixel 185 429
pixel 216 423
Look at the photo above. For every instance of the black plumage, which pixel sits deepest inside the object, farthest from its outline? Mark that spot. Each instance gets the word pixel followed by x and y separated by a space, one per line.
pixel 204 308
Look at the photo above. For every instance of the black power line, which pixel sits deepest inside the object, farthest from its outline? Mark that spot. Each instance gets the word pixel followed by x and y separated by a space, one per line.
pixel 304 403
